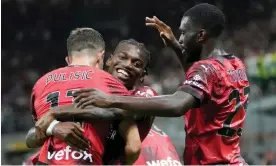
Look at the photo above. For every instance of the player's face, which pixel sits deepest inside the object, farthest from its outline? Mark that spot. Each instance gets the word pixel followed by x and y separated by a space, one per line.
pixel 189 40
pixel 127 64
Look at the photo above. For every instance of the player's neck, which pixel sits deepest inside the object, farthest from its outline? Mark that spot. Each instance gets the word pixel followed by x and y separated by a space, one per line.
pixel 212 48
pixel 82 62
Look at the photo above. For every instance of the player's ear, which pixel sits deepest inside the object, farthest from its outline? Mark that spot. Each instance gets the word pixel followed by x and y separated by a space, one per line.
pixel 201 36
pixel 67 59
pixel 101 55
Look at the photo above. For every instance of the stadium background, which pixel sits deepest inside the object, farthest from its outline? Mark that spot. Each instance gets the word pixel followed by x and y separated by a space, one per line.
pixel 34 41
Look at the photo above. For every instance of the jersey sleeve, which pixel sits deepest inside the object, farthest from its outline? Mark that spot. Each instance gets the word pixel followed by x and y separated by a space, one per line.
pixel 199 82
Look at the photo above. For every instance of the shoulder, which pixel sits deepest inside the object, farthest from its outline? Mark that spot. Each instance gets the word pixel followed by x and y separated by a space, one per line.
pixel 144 91
pixel 204 69
pixel 41 81
pixel 107 76
pixel 208 65
pixel 114 85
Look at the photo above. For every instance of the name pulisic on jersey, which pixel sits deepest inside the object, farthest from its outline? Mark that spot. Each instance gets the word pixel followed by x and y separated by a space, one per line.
pixel 77 75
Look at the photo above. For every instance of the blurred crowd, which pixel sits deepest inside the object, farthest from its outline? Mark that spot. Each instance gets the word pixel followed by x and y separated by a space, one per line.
pixel 34 41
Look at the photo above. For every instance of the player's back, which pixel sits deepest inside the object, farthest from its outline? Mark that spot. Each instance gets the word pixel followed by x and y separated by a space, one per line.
pixel 214 129
pixel 157 149
pixel 55 89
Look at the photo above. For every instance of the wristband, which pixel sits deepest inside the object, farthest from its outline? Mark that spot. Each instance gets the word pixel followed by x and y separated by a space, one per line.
pixel 49 130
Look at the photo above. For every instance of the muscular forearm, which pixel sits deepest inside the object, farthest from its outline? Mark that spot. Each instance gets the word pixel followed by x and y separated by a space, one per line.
pixel 32 141
pixel 88 113
pixel 165 106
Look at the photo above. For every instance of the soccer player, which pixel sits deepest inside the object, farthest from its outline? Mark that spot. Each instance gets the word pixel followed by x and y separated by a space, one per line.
pixel 158 149
pixel 85 48
pixel 128 56
pixel 213 98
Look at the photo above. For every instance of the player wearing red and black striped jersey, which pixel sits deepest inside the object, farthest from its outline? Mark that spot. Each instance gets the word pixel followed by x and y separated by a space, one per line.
pixel 213 98
pixel 85 49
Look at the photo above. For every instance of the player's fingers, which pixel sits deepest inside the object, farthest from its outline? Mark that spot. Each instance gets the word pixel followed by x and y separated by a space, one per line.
pixel 153 25
pixel 150 20
pixel 159 22
pixel 86 104
pixel 79 129
pixel 71 145
pixel 81 101
pixel 74 144
pixel 82 90
pixel 81 136
pixel 78 142
pixel 80 94
pixel 81 97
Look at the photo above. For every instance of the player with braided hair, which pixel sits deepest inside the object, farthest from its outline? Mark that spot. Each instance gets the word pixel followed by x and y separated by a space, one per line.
pixel 129 65
pixel 131 44
pixel 132 52
pixel 213 99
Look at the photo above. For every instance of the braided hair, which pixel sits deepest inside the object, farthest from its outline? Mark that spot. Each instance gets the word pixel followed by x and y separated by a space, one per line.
pixel 142 48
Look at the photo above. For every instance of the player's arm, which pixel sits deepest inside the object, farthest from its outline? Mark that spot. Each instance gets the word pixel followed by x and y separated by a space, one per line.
pixel 165 106
pixel 32 141
pixel 88 113
pixel 69 132
pixel 195 90
pixel 168 38
pixel 129 132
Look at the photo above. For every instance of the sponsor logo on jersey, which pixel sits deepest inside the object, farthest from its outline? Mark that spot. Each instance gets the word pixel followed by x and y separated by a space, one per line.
pixel 197 78
pixel 147 93
pixel 193 83
pixel 68 154
pixel 167 161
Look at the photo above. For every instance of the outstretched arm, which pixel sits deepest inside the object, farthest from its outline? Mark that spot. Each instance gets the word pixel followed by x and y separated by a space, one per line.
pixel 88 113
pixel 165 106
pixel 197 89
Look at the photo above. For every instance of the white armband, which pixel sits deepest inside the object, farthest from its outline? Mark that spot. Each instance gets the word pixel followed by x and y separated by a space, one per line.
pixel 49 130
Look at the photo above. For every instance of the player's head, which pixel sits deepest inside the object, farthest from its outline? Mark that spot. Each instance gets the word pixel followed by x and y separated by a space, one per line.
pixel 199 25
pixel 129 63
pixel 86 45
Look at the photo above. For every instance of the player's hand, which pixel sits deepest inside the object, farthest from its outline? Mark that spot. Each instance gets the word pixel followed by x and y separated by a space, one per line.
pixel 43 123
pixel 165 31
pixel 86 97
pixel 72 134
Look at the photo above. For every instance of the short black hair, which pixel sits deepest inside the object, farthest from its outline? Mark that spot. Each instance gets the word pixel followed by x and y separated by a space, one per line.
pixel 142 48
pixel 83 38
pixel 208 17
